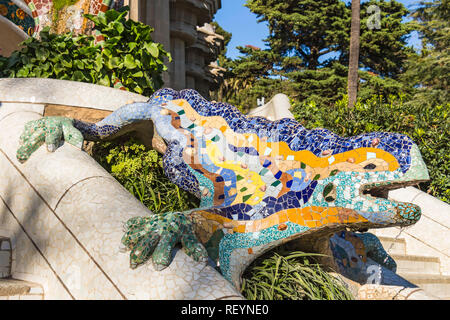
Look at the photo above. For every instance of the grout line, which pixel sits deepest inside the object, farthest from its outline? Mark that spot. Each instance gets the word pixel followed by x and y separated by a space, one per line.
pixel 37 248
pixel 64 225
pixel 10 114
pixel 82 180
pixel 427 244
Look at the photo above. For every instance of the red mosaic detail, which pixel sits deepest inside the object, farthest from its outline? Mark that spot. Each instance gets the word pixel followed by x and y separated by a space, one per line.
pixel 95 6
pixel 104 8
pixel 42 6
pixel 282 226
pixel 119 85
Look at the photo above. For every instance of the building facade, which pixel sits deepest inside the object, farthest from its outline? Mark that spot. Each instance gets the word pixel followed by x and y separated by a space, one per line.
pixel 182 26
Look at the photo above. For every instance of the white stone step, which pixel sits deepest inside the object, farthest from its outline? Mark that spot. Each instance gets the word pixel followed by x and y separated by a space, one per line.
pixel 393 246
pixel 416 264
pixel 5 257
pixel 12 289
pixel 435 284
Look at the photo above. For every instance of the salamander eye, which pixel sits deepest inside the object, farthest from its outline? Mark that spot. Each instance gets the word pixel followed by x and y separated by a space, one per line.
pixel 329 193
pixel 370 166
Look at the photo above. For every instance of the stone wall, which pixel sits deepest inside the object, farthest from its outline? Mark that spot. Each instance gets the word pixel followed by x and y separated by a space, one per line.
pixel 182 26
pixel 64 213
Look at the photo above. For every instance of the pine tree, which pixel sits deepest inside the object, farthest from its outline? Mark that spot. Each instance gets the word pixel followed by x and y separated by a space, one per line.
pixel 307 29
pixel 384 44
pixel 308 50
pixel 429 70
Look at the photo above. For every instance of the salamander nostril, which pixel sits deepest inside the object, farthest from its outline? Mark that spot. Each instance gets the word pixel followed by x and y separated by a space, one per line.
pixel 370 166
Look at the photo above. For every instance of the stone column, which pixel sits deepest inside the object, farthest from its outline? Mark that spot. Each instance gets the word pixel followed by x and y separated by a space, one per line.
pixel 183 22
pixel 157 16
pixel 178 66
pixel 134 9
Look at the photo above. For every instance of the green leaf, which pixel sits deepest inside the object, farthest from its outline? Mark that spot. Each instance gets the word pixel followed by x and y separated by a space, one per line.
pixel 152 48
pixel 104 81
pixel 66 62
pixel 129 62
pixel 118 27
pixel 98 63
pixel 113 62
pixel 78 76
pixel 101 20
pixel 132 45
pixel 42 53
pixel 138 89
pixel 107 52
pixel 78 64
pixel 23 73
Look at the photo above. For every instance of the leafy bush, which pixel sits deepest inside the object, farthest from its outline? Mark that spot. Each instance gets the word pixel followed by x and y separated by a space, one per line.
pixel 293 276
pixel 127 54
pixel 140 172
pixel 427 125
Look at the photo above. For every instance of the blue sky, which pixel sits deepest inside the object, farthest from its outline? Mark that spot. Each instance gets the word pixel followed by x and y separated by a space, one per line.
pixel 242 23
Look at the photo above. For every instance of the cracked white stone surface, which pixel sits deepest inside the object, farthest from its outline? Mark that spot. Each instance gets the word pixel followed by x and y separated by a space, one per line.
pixel 64 92
pixel 72 213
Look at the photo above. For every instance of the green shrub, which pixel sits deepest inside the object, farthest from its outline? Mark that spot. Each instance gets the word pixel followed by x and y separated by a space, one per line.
pixel 291 276
pixel 140 171
pixel 427 125
pixel 127 54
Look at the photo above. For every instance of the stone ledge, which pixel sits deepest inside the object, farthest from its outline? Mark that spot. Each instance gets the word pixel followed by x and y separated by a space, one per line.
pixel 23 297
pixel 80 113
pixel 64 92
pixel 415 258
pixel 13 287
pixel 419 278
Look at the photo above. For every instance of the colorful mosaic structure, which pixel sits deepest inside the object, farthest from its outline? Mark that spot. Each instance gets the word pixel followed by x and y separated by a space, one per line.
pixel 261 183
pixel 60 16
pixel 352 253
pixel 17 15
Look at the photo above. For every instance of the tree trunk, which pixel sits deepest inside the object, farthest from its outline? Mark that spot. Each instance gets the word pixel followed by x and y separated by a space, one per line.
pixel 353 79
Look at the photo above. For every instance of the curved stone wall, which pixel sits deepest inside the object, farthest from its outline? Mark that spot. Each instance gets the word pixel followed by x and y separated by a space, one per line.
pixel 64 212
pixel 10 37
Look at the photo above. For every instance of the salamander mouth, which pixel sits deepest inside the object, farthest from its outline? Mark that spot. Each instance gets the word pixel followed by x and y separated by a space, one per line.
pixel 381 189
pixel 416 174
pixel 394 213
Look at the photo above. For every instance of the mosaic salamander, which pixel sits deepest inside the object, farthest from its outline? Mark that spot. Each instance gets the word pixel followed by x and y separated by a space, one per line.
pixel 261 182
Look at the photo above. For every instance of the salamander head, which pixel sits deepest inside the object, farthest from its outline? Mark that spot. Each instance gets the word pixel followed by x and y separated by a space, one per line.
pixel 362 185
